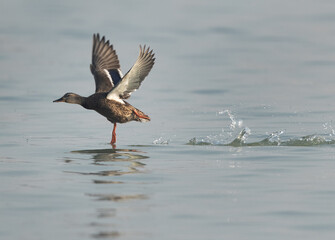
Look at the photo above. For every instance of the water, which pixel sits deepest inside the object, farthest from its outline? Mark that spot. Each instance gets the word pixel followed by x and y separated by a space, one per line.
pixel 241 142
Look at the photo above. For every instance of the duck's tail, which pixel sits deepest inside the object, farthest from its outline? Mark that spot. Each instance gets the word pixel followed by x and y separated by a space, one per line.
pixel 140 116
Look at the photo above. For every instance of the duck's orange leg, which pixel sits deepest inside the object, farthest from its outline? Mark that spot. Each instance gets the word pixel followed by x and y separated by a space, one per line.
pixel 141 116
pixel 113 141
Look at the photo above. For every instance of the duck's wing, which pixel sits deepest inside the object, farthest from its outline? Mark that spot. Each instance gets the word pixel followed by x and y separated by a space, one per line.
pixel 134 77
pixel 105 65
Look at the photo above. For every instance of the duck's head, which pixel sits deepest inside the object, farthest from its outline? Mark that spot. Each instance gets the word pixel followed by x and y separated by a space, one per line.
pixel 70 98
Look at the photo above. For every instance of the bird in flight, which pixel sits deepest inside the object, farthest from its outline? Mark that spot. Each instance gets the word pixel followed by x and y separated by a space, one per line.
pixel 111 87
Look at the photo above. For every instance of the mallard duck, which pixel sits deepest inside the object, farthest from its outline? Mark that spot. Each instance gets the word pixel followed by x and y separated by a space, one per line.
pixel 111 87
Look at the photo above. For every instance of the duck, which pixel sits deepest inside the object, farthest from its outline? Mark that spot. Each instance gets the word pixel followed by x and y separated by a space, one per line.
pixel 111 86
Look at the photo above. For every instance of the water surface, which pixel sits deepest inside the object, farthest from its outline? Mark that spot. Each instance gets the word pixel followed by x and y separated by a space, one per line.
pixel 241 142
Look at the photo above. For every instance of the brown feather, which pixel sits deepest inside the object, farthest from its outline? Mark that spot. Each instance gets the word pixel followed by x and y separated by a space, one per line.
pixel 114 111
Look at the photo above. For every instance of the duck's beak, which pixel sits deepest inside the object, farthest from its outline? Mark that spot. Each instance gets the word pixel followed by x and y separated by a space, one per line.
pixel 59 100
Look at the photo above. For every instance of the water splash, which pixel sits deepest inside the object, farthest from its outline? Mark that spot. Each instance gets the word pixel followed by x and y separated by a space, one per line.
pixel 309 140
pixel 235 127
pixel 241 138
pixel 328 126
pixel 239 141
pixel 161 140
pixel 273 139
pixel 234 124
pixel 228 133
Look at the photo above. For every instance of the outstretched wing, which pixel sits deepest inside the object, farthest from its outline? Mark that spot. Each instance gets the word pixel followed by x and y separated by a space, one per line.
pixel 133 79
pixel 105 65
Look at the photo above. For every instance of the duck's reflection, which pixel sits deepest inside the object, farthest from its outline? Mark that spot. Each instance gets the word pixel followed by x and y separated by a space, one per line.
pixel 106 182
pixel 108 173
pixel 110 166
pixel 106 212
pixel 103 157
pixel 117 198
pixel 112 155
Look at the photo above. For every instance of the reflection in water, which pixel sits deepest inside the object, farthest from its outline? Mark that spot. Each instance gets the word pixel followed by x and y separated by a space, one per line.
pixel 102 157
pixel 120 162
pixel 117 198
pixel 106 182
pixel 112 234
pixel 106 212
pixel 108 173
pixel 112 155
